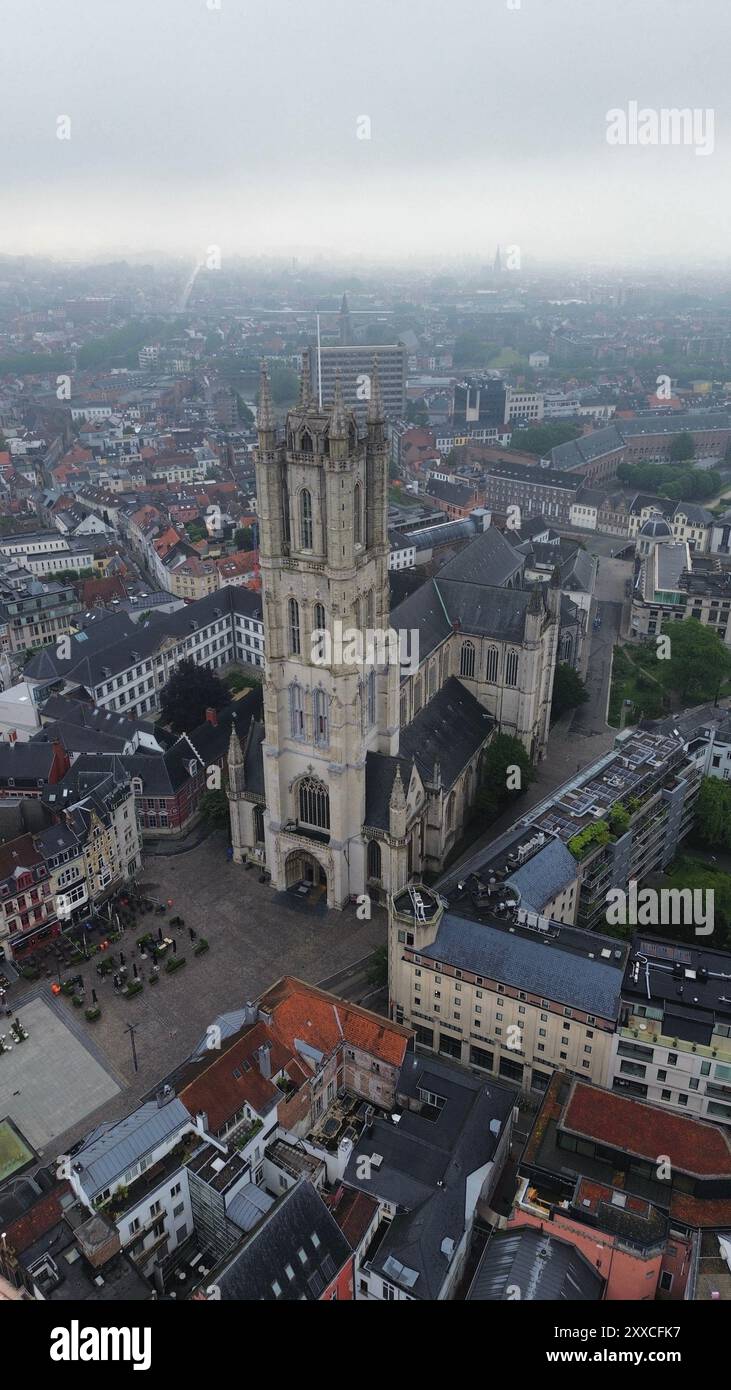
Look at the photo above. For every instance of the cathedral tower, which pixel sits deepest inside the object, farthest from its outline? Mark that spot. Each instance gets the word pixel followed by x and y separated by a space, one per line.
pixel 322 501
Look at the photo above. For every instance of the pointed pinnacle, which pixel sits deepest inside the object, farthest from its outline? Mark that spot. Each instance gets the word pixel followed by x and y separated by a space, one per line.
pixel 265 418
pixel 338 423
pixel 375 403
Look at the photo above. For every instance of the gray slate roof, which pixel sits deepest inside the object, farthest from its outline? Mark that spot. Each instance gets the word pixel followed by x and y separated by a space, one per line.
pixel 275 1244
pixel 544 875
pixel 540 1266
pixel 548 968
pixel 427 1159
pixel 114 1148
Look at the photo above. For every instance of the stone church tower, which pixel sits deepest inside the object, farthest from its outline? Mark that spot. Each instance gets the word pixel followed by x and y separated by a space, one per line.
pixel 322 499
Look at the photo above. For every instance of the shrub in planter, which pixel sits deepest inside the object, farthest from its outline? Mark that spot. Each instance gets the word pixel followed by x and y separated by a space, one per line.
pixel 133 987
pixel 77 1001
pixel 174 964
pixel 30 972
pixel 200 947
pixel 68 987
pixel 93 1014
pixel 154 979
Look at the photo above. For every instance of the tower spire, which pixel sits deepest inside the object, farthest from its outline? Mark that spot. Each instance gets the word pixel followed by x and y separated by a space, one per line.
pixel 338 423
pixel 265 418
pixel 305 381
pixel 375 403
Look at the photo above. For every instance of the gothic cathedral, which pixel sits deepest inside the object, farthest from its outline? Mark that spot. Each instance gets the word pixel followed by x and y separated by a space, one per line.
pixel 360 775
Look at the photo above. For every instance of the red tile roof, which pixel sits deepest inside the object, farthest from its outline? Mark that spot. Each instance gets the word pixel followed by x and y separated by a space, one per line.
pixel 692 1145
pixel 354 1212
pixel 300 1011
pixel 220 1094
pixel 40 1218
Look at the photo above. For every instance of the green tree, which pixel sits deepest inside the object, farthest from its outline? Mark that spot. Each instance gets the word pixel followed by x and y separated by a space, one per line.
pixel 246 416
pixel 214 809
pixel 284 384
pixel 568 690
pixel 682 447
pixel 417 413
pixel 540 439
pixel 504 765
pixel 699 661
pixel 378 966
pixel 190 691
pixel 244 538
pixel 236 681
pixel 196 530
pixel 713 813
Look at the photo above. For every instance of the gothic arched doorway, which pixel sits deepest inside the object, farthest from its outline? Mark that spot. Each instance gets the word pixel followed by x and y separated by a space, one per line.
pixel 302 869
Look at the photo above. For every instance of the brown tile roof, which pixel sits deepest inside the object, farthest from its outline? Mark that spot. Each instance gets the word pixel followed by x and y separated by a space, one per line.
pixel 692 1145
pixel 40 1218
pixel 324 1021
pixel 354 1212
pixel 221 1094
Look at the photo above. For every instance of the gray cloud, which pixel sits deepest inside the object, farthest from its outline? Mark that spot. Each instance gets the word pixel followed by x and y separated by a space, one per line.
pixel 192 126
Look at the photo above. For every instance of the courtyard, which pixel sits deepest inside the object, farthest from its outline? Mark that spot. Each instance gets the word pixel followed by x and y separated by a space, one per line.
pixel 255 935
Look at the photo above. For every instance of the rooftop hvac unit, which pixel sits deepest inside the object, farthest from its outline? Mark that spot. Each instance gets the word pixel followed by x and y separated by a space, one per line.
pixel 376 1160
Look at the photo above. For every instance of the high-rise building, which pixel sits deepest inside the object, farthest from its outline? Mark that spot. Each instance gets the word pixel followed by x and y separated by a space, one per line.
pixel 355 365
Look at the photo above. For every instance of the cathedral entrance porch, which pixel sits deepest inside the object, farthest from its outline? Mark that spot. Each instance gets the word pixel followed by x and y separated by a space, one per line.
pixel 305 874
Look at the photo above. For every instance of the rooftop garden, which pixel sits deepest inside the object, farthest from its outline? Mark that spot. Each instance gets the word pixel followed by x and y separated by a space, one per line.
pixel 591 837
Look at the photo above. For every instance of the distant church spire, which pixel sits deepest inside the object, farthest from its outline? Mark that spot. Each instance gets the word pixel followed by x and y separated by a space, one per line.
pixel 497 265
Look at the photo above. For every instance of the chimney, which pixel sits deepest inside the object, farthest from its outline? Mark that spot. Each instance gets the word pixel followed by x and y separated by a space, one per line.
pixel 264 1059
pixel 212 717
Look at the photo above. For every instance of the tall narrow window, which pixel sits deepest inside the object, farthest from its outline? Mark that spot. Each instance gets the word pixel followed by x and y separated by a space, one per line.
pixel 318 616
pixel 404 707
pixel 321 713
pixel 293 610
pixel 305 519
pixel 511 668
pixel 417 694
pixel 358 514
pixel 285 509
pixel 450 811
pixel 432 678
pixel 492 665
pixel 258 824
pixel 369 608
pixel 374 859
pixel 314 803
pixel 467 660
pixel 297 710
pixel 370 699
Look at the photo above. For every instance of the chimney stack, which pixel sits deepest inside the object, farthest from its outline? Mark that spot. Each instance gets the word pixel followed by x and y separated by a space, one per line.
pixel 212 717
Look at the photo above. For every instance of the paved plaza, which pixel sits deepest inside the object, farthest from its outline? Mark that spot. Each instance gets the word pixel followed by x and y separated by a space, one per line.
pixel 52 1080
pixel 255 937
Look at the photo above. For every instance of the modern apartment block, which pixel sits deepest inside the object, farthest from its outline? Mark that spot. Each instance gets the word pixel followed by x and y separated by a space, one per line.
pixel 355 365
pixel 623 817
pixel 673 1046
pixel 504 990
pixel 34 613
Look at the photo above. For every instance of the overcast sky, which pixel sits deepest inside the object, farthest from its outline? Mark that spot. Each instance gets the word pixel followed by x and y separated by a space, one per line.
pixel 237 126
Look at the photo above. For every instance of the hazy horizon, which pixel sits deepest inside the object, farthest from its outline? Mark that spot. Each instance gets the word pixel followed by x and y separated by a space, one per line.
pixel 237 128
